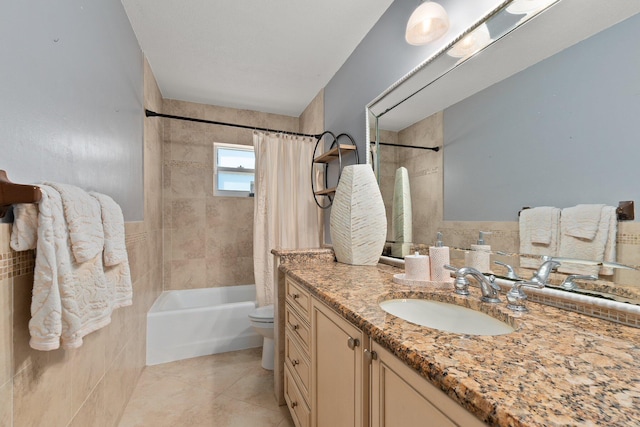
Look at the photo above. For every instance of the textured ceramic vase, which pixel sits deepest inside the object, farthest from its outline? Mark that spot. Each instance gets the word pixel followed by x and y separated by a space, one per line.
pixel 358 223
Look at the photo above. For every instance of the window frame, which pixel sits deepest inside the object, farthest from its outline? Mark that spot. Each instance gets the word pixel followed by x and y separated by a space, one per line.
pixel 217 169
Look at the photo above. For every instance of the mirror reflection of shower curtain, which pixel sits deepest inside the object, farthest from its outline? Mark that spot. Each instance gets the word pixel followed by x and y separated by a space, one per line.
pixel 285 215
pixel 401 217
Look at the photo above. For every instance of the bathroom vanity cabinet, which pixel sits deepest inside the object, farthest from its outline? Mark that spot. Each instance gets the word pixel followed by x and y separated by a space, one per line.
pixel 401 397
pixel 336 376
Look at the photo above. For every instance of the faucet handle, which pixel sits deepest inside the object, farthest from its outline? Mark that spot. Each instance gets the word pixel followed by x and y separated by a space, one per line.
pixel 511 273
pixel 568 282
pixel 461 284
pixel 516 297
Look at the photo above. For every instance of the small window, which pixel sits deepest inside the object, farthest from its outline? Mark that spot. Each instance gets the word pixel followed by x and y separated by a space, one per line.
pixel 233 170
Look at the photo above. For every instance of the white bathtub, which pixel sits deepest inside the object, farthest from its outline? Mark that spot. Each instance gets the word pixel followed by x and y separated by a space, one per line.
pixel 197 322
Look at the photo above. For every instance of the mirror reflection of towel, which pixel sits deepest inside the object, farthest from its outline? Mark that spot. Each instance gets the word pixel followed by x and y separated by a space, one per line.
pixel 576 241
pixel 539 228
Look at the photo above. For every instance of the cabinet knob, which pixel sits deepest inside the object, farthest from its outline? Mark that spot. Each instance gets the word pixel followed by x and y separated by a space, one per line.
pixel 295 296
pixel 295 327
pixel 353 343
pixel 294 404
pixel 370 355
pixel 295 362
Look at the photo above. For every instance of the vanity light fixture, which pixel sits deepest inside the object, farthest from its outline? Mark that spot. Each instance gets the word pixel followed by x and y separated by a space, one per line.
pixel 427 23
pixel 471 43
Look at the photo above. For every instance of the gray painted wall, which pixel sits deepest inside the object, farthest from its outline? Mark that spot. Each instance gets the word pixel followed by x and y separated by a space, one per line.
pixel 563 132
pixel 381 59
pixel 71 97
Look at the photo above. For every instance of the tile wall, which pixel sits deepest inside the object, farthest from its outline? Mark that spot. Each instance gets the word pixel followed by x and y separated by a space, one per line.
pixel 88 386
pixel 208 240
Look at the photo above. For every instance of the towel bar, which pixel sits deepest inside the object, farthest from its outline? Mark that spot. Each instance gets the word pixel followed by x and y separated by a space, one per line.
pixel 11 193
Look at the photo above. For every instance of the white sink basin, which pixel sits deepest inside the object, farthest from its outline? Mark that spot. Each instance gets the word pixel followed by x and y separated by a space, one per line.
pixel 445 317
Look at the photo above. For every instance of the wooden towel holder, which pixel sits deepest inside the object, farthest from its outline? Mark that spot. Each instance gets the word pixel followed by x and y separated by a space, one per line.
pixel 11 193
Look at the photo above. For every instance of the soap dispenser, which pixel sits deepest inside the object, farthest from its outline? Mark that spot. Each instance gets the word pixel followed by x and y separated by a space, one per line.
pixel 479 257
pixel 439 256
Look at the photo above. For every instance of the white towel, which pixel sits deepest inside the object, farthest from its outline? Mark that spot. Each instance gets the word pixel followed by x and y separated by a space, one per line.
pixel 582 221
pixel 115 256
pixel 539 228
pixel 588 249
pixel 70 299
pixel 83 217
pixel 24 233
pixel 45 325
pixel 115 250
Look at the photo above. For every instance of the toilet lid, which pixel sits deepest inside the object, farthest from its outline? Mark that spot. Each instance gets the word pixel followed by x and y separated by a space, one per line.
pixel 262 314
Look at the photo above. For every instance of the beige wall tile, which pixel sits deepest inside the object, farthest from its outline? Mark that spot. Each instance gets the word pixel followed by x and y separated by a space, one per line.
pixel 187 243
pixel 5 238
pixel 6 404
pixel 312 118
pixel 189 213
pixel 39 391
pixel 88 366
pixel 221 229
pixel 188 180
pixel 188 274
pixel 6 330
pixel 92 411
pixel 116 386
pixel 22 353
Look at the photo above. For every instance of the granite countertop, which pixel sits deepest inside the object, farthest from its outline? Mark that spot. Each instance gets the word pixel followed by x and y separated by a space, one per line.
pixel 557 369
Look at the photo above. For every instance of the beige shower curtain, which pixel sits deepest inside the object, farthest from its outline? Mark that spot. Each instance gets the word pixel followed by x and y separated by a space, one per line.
pixel 285 215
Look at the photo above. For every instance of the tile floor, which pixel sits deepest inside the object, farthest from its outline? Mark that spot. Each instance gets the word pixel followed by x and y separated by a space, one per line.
pixel 222 390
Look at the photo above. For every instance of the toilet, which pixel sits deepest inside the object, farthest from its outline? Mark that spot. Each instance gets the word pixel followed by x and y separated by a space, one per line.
pixel 262 322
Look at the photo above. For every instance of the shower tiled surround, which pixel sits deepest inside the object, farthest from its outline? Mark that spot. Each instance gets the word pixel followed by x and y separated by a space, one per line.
pixel 88 386
pixel 208 240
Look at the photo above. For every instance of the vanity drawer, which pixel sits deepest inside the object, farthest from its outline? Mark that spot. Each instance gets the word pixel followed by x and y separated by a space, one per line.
pixel 299 409
pixel 297 327
pixel 298 362
pixel 299 298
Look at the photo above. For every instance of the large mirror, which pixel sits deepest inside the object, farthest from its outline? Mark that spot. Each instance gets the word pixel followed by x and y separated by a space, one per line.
pixel 535 105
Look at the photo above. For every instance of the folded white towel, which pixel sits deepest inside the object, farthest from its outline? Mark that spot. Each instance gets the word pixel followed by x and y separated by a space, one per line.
pixel 539 232
pixel 116 260
pixel 582 248
pixel 83 217
pixel 70 299
pixel 45 325
pixel 115 250
pixel 24 232
pixel 582 221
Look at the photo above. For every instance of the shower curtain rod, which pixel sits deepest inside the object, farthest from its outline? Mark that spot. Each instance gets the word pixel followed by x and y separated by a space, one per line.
pixel 150 113
pixel 436 149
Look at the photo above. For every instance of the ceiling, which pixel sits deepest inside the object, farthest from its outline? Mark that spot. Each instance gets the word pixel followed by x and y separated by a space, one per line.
pixel 270 56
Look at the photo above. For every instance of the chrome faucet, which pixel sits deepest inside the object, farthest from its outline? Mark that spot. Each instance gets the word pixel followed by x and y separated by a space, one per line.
pixel 516 297
pixel 542 275
pixel 511 272
pixel 569 283
pixel 487 286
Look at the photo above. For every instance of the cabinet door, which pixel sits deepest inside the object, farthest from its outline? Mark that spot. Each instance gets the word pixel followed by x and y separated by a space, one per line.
pixel 401 397
pixel 337 376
